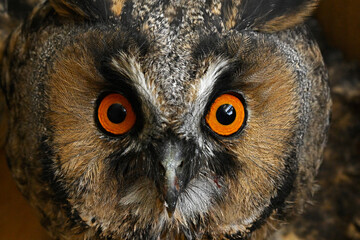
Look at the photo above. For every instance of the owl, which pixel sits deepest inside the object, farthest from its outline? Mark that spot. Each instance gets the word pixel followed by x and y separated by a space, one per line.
pixel 165 119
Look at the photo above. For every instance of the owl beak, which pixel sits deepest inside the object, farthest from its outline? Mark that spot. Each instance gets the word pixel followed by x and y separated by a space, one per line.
pixel 172 162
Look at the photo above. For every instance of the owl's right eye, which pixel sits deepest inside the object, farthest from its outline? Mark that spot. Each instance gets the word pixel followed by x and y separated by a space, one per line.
pixel 115 114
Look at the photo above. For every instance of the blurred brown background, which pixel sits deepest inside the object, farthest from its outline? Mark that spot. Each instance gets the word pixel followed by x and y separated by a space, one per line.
pixel 340 22
pixel 336 210
pixel 17 219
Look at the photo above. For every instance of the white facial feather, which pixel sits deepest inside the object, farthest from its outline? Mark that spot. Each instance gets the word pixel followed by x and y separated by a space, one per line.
pixel 131 68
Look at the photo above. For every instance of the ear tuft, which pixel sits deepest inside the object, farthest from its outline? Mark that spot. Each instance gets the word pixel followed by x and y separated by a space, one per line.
pixel 6 26
pixel 3 120
pixel 88 9
pixel 273 15
pixel 66 8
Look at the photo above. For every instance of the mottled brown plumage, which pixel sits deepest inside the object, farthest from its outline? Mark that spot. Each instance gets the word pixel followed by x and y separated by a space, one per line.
pixel 171 176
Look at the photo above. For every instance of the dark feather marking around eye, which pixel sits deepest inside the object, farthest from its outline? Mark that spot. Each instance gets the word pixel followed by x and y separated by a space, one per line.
pixel 128 170
pixel 115 79
pixel 224 81
pixel 133 165
pixel 224 164
pixel 123 167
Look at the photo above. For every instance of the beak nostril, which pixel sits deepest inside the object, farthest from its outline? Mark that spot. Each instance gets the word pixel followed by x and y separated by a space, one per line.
pixel 181 164
pixel 162 168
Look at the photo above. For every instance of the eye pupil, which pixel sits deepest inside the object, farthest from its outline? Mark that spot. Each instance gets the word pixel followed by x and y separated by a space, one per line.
pixel 226 114
pixel 116 113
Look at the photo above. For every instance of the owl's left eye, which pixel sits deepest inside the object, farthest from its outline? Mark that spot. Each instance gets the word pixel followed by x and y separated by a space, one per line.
pixel 115 114
pixel 227 114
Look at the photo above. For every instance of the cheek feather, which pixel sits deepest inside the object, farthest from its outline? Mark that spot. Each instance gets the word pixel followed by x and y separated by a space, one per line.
pixel 267 170
pixel 199 196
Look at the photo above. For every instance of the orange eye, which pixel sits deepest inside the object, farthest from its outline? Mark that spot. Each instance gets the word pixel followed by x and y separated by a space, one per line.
pixel 115 114
pixel 226 115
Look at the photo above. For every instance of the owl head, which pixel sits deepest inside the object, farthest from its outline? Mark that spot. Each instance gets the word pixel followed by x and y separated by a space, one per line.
pixel 164 119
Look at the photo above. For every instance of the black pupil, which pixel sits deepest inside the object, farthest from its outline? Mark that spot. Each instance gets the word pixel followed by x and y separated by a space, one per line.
pixel 226 114
pixel 116 113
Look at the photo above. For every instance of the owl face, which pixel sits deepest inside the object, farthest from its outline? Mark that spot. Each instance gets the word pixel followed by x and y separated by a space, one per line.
pixel 158 119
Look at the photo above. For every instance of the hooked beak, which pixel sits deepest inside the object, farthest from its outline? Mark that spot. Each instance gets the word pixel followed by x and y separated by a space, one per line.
pixel 172 162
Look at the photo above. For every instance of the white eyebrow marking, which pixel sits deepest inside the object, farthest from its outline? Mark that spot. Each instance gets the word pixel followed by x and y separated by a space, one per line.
pixel 202 92
pixel 129 67
pixel 208 80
